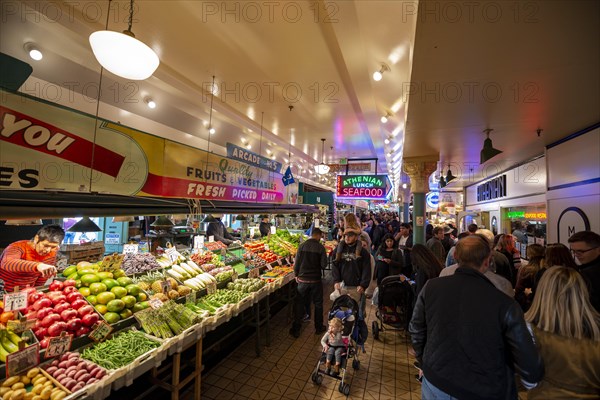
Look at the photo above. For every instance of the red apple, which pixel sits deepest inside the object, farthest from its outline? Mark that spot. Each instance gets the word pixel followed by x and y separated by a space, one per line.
pixel 56 328
pixel 44 342
pixel 59 299
pixel 85 310
pixel 56 286
pixel 90 319
pixel 42 303
pixel 69 289
pixel 43 312
pixel 69 283
pixel 62 307
pixel 74 296
pixel 84 330
pixel 74 324
pixel 50 319
pixel 41 333
pixel 68 314
pixel 33 297
pixel 77 304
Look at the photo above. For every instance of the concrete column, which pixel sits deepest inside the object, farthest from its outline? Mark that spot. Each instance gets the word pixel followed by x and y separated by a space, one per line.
pixel 419 169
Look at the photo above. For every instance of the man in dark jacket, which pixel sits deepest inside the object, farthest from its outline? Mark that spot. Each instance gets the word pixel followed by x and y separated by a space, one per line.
pixel 377 234
pixel 585 246
pixel 468 336
pixel 311 259
pixel 265 226
pixel 218 230
pixel 355 273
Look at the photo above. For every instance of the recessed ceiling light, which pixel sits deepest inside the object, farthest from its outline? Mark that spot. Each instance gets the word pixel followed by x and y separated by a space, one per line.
pixel 386 141
pixel 248 146
pixel 269 151
pixel 244 140
pixel 33 51
pixel 212 131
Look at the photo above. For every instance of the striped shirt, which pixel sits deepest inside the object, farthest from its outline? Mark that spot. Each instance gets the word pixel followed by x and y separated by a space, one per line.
pixel 18 265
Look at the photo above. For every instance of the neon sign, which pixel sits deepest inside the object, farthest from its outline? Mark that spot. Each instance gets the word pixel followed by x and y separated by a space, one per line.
pixel 362 186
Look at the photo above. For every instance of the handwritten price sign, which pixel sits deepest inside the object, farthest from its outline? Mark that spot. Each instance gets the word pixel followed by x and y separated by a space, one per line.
pixel 172 254
pixel 18 326
pixel 22 360
pixel 58 345
pixel 15 301
pixel 211 288
pixel 130 248
pixel 101 332
pixel 253 273
pixel 191 297
pixel 155 303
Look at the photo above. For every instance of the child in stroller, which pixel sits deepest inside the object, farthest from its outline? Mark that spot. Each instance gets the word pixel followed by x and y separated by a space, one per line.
pixel 334 344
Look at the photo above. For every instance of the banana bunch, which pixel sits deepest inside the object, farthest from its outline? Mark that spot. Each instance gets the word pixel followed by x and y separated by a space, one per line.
pixel 9 343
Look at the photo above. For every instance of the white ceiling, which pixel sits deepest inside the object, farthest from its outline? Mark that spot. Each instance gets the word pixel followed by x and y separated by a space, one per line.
pixel 543 56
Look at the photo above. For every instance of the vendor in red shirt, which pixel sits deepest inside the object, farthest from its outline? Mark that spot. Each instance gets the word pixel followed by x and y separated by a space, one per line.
pixel 31 262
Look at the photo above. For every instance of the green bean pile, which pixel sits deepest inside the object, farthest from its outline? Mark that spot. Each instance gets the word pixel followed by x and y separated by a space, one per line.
pixel 120 350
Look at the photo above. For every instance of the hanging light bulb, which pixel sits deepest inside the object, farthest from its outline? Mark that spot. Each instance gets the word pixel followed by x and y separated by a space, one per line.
pixel 322 168
pixel 377 75
pixel 123 54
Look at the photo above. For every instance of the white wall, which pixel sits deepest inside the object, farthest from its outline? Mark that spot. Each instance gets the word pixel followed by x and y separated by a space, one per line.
pixel 574 186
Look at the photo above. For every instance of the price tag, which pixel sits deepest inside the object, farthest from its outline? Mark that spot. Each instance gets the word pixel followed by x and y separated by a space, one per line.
pixel 234 276
pixel 252 230
pixel 254 273
pixel 143 247
pixel 211 238
pixel 269 266
pixel 166 286
pixel 22 360
pixel 58 345
pixel 273 230
pixel 172 254
pixel 15 301
pixel 190 297
pixel 267 247
pixel 130 248
pixel 317 223
pixel 101 332
pixel 279 262
pixel 289 260
pixel 211 288
pixel 223 252
pixel 155 303
pixel 21 325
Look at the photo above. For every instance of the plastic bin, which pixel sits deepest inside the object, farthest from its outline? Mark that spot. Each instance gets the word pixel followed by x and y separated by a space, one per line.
pixel 185 339
pixel 244 304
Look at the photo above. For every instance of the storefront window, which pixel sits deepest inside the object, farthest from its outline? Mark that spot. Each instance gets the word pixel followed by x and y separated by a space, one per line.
pixel 527 224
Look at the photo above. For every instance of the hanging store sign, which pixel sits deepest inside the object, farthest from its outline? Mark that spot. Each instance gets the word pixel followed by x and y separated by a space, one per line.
pixel 240 154
pixel 492 189
pixel 352 167
pixel 46 147
pixel 363 186
pixel 433 199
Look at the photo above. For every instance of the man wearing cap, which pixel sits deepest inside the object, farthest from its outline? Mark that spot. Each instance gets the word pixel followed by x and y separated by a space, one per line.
pixel 218 230
pixel 354 272
pixel 311 260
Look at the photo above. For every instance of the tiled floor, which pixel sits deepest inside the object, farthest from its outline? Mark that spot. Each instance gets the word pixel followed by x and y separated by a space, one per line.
pixel 283 371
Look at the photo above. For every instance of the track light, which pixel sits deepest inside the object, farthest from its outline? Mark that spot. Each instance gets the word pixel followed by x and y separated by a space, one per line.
pixel 377 75
pixel 150 103
pixel 387 140
pixel 322 168
pixel 33 51
pixel 488 150
pixel 386 117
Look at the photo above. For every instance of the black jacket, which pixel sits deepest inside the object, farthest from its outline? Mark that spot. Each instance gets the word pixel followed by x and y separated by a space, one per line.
pixel 311 259
pixel 264 228
pixel 353 271
pixel 591 273
pixel 396 264
pixel 377 234
pixel 218 230
pixel 470 338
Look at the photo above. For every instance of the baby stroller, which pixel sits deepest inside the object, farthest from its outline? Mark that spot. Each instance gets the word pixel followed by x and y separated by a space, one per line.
pixel 394 307
pixel 347 309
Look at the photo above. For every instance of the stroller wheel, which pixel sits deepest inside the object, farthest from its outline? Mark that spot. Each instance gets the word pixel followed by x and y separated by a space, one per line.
pixel 319 379
pixel 344 388
pixel 313 377
pixel 355 364
pixel 375 330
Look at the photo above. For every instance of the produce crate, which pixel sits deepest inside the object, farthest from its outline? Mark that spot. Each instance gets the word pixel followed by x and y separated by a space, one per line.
pixel 32 340
pixel 262 293
pixel 96 391
pixel 83 252
pixel 222 315
pixel 184 340
pixel 141 365
pixel 244 304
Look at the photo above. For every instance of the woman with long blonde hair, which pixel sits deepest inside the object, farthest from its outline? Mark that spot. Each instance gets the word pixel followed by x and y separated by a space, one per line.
pixel 566 329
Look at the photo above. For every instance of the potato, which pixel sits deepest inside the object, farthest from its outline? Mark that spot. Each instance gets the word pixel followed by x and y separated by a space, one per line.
pixel 37 397
pixel 59 395
pixel 29 396
pixel 33 372
pixel 11 381
pixel 4 390
pixel 18 394
pixel 46 393
pixel 17 386
pixel 39 379
pixel 26 381
pixel 8 394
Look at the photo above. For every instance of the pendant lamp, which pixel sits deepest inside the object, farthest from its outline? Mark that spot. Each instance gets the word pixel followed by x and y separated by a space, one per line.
pixel 123 54
pixel 488 150
pixel 240 217
pixel 322 168
pixel 449 176
pixel 209 218
pixel 442 181
pixel 85 224
pixel 162 221
pixel 128 218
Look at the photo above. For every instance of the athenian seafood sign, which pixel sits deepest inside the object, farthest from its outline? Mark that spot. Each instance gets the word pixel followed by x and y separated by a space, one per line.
pixel 46 147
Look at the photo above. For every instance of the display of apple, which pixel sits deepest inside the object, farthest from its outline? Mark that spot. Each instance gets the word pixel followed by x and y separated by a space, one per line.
pixel 62 309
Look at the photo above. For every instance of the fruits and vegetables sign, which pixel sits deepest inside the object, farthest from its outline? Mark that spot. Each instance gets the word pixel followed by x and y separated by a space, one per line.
pixel 46 147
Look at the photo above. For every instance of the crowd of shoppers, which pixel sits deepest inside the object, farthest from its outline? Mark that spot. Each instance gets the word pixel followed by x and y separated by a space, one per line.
pixel 482 315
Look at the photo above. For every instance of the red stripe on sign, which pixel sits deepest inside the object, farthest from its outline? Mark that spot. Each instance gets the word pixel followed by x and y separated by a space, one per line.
pixel 184 188
pixel 31 133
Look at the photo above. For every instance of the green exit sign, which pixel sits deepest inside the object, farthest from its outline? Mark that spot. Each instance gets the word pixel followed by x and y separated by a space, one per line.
pixel 343 161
